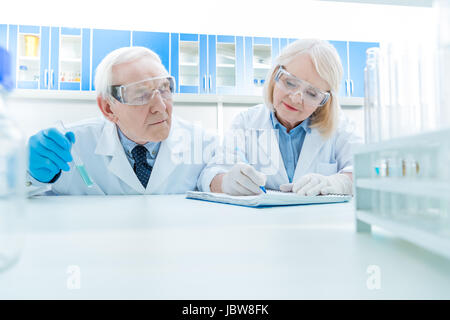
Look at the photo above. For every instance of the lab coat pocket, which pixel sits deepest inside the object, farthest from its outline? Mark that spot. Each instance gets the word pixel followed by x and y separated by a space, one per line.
pixel 326 168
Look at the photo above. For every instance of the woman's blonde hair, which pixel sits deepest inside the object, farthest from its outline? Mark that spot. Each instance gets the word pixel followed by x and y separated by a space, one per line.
pixel 329 67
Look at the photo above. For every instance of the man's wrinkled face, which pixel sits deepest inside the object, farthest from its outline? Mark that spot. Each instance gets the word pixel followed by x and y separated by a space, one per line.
pixel 148 122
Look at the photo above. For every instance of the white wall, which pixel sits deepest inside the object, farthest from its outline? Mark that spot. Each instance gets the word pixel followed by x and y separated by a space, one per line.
pixel 281 18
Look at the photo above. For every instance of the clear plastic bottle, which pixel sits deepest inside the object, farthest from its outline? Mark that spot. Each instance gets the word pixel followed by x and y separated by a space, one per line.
pixel 372 96
pixel 442 8
pixel 12 175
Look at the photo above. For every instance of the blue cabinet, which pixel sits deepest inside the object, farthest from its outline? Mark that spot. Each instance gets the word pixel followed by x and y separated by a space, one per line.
pixel 3 35
pixel 29 48
pixel 188 63
pixel 207 64
pixel 259 55
pixel 71 58
pixel 53 58
pixel 353 58
pixel 50 58
pixel 341 48
pixel 283 43
pixel 159 42
pixel 357 58
pixel 226 64
pixel 105 41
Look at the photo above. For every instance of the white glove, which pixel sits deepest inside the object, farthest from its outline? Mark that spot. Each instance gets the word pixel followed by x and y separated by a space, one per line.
pixel 313 184
pixel 243 180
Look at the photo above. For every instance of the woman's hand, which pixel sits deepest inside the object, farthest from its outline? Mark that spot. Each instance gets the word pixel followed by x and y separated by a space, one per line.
pixel 241 180
pixel 313 184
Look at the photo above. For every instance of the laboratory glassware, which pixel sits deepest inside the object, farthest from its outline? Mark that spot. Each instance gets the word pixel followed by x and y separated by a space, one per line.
pixel 372 96
pixel 442 9
pixel 79 163
pixel 12 175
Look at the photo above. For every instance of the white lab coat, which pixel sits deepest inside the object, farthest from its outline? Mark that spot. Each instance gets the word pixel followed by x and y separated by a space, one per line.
pixel 176 169
pixel 318 155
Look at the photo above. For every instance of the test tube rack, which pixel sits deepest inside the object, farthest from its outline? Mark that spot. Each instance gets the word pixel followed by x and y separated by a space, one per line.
pixel 402 185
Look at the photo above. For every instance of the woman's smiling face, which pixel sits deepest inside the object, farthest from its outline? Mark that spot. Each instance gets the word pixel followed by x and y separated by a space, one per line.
pixel 289 108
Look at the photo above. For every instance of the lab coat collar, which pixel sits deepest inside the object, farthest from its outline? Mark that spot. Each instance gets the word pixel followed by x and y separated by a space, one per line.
pixel 109 145
pixel 311 146
pixel 169 156
pixel 271 155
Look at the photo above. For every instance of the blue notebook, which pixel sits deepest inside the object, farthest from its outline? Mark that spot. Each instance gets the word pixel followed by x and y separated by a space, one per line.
pixel 269 199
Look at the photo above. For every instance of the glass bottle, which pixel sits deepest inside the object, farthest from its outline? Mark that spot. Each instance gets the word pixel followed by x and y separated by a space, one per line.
pixel 442 8
pixel 12 175
pixel 372 96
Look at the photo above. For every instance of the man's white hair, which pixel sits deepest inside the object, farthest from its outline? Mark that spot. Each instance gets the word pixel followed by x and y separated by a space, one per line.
pixel 104 74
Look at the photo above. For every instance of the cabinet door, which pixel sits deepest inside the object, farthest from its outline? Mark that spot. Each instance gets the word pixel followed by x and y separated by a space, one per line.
pixel 275 49
pixel 341 48
pixel 105 41
pixel 357 58
pixel 283 43
pixel 54 59
pixel 258 60
pixel 86 60
pixel 185 60
pixel 158 42
pixel 227 71
pixel 175 59
pixel 3 35
pixel 71 58
pixel 205 81
pixel 29 47
pixel 211 70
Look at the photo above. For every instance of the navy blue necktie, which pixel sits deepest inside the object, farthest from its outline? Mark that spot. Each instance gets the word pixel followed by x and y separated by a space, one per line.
pixel 141 166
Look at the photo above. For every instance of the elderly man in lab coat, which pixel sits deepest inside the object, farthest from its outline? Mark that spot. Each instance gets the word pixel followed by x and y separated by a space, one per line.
pixel 138 147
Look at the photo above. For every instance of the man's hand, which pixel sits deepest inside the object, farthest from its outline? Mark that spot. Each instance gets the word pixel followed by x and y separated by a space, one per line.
pixel 49 153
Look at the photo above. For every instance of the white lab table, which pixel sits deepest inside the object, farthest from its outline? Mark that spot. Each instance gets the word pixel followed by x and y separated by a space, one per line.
pixel 169 247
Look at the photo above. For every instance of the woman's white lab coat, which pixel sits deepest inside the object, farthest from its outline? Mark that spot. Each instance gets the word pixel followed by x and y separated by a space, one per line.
pixel 176 169
pixel 318 155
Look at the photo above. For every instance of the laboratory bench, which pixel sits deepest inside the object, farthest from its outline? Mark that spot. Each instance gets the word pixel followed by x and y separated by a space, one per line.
pixel 169 247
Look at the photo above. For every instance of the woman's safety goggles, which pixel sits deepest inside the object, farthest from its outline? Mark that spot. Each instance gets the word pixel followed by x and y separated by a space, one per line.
pixel 140 93
pixel 311 96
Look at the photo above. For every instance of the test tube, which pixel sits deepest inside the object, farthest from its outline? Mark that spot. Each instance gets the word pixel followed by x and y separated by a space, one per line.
pixel 79 163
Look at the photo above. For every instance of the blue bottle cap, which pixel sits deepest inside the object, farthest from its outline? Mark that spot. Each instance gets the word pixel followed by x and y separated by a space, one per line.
pixel 6 80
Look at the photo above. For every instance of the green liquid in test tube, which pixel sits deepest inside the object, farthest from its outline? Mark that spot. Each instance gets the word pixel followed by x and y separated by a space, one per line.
pixel 79 164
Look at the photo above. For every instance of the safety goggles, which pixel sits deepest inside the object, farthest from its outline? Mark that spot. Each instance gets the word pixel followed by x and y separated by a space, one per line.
pixel 140 93
pixel 292 85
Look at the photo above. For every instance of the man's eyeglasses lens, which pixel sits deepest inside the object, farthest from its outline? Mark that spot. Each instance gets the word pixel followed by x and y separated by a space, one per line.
pixel 142 92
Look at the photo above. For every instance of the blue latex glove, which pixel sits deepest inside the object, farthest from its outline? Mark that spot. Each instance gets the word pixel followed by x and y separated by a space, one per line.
pixel 49 153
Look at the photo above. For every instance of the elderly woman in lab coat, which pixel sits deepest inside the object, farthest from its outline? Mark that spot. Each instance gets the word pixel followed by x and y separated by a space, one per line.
pixel 298 140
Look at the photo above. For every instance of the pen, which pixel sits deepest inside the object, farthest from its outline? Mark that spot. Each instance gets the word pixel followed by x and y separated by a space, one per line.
pixel 245 160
